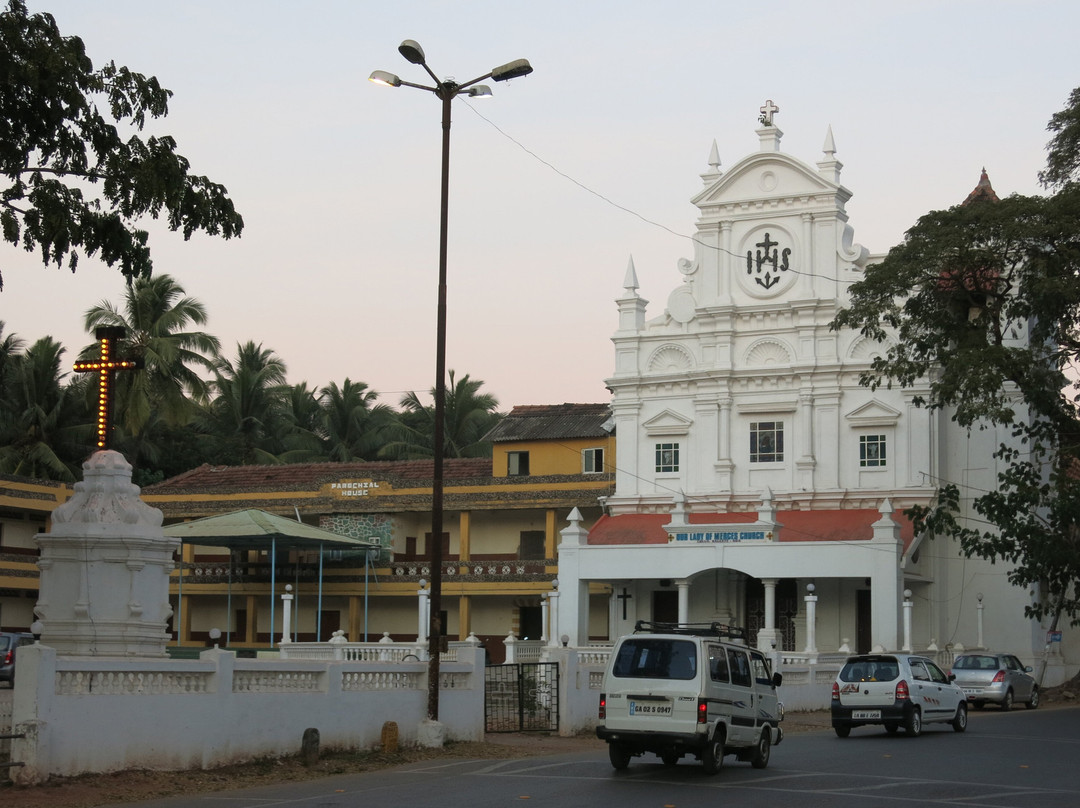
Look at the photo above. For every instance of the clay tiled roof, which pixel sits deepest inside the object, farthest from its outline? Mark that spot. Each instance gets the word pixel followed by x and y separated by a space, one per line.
pixel 310 476
pixel 984 191
pixel 553 422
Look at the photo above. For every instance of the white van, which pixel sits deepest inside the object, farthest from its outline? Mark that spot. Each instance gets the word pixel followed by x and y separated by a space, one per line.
pixel 676 689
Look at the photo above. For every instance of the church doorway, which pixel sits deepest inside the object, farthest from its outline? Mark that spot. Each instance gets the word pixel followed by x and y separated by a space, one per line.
pixel 665 606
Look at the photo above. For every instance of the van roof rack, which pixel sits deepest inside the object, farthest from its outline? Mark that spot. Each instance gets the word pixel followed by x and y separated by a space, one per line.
pixel 712 629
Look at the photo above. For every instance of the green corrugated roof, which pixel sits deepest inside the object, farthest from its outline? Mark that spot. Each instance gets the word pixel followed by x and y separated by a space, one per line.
pixel 256 529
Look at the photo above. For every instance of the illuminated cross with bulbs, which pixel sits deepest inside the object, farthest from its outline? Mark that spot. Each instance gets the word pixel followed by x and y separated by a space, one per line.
pixel 105 366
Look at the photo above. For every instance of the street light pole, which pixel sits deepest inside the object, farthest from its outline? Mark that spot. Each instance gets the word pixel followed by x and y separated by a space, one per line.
pixel 446 91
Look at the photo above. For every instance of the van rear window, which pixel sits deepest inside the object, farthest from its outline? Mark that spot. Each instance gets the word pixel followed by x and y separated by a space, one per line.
pixel 653 658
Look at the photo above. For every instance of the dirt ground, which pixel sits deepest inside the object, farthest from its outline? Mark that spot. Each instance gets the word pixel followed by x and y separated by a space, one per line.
pixel 90 791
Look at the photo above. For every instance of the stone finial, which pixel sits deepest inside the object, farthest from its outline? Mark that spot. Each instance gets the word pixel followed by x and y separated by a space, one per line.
pixel 830 144
pixel 630 281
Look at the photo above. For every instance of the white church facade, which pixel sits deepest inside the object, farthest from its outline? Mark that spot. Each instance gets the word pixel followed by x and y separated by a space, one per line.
pixel 758 482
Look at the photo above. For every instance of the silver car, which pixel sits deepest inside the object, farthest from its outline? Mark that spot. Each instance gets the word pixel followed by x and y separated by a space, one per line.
pixel 996 679
pixel 895 690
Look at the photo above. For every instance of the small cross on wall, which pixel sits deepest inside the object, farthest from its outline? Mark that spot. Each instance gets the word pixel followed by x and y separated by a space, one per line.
pixel 105 366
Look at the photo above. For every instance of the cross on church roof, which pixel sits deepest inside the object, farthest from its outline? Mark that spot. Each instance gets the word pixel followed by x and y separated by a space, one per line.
pixel 105 366
pixel 767 112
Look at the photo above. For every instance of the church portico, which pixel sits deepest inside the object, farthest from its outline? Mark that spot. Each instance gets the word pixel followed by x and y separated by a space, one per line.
pixel 708 567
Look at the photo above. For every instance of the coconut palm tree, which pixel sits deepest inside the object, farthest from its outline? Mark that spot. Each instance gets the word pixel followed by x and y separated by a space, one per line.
pixel 469 415
pixel 354 427
pixel 157 316
pixel 249 404
pixel 45 424
pixel 11 346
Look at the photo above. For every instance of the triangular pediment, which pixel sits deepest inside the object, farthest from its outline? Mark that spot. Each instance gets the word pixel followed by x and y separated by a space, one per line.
pixel 667 422
pixel 765 176
pixel 873 413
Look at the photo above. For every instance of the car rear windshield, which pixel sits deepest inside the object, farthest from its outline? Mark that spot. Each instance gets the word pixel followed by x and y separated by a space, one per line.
pixel 870 670
pixel 656 658
pixel 976 663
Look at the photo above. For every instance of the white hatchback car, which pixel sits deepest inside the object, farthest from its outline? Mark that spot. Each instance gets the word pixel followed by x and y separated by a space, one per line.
pixel 895 690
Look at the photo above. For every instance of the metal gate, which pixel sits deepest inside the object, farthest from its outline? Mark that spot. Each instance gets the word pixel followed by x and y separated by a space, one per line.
pixel 521 697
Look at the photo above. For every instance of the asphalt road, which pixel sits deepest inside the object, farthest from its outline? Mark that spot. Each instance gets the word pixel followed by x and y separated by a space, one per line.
pixel 1023 758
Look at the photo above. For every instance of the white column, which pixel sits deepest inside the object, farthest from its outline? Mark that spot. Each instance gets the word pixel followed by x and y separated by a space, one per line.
pixel 544 613
pixel 286 614
pixel 767 636
pixel 811 620
pixel 683 586
pixel 979 614
pixel 907 620
pixel 422 622
pixel 553 596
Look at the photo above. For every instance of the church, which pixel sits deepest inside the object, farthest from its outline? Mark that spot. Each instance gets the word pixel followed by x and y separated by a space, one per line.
pixel 758 482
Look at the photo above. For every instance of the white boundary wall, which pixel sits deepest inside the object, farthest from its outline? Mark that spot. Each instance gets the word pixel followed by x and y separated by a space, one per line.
pixel 98 714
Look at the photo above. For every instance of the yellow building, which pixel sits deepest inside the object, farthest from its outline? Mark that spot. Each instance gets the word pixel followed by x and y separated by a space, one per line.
pixel 502 518
pixel 25 507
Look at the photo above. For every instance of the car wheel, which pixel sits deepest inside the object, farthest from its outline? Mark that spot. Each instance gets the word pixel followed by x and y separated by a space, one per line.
pixel 959 723
pixel 913 723
pixel 619 755
pixel 670 758
pixel 842 730
pixel 892 726
pixel 712 756
pixel 1007 701
pixel 761 752
pixel 1033 702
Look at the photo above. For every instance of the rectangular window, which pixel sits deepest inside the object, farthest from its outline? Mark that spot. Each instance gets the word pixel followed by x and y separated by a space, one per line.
pixel 766 441
pixel 592 461
pixel 517 464
pixel 667 457
pixel 871 450
pixel 531 546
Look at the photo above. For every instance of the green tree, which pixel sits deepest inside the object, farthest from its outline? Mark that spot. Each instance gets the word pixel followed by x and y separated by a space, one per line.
pixel 981 303
pixel 468 416
pixel 249 404
pixel 45 424
pixel 354 426
pixel 298 428
pixel 11 346
pixel 74 182
pixel 168 390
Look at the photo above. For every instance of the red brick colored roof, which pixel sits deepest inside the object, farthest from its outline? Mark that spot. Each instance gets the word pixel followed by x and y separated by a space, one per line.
pixel 310 476
pixel 828 525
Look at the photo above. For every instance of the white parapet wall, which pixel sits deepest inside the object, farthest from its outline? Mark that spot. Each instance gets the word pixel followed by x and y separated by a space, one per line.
pixel 100 714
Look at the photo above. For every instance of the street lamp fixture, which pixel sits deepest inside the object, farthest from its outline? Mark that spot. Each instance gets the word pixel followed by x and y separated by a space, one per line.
pixel 446 90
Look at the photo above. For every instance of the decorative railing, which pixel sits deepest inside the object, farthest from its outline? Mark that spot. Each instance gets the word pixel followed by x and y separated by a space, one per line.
pixel 129 683
pixel 385 650
pixel 276 681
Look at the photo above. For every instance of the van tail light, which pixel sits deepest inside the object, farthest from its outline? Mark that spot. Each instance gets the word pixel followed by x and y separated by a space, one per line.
pixel 999 677
pixel 702 711
pixel 603 706
pixel 902 692
pixel 835 691
pixel 9 657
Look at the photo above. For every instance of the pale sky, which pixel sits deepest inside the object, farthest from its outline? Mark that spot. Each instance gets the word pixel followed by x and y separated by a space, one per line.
pixel 338 178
